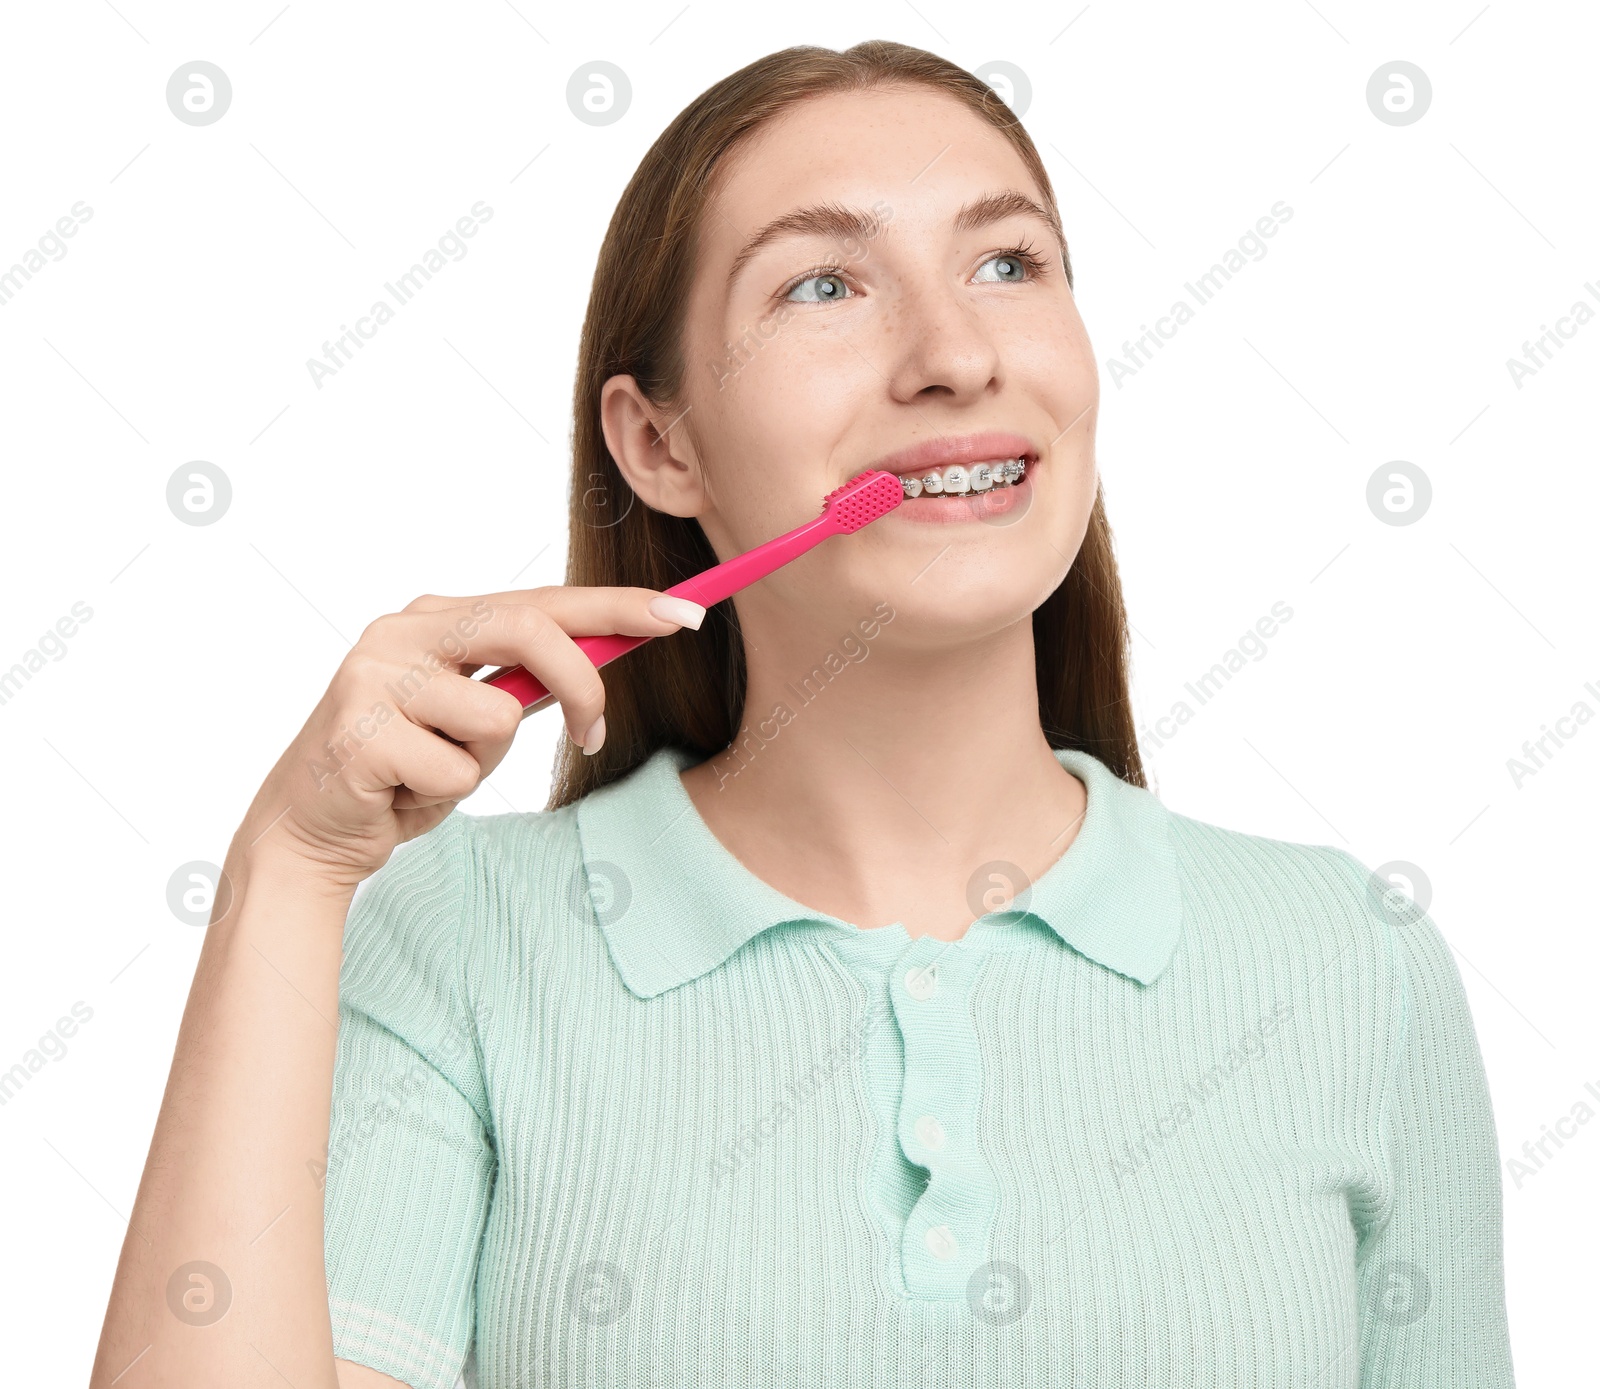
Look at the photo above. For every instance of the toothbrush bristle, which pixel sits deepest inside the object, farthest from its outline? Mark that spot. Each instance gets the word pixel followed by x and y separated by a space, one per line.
pixel 863 499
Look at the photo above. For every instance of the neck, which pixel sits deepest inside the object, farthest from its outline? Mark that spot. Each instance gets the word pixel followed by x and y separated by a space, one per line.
pixel 882 784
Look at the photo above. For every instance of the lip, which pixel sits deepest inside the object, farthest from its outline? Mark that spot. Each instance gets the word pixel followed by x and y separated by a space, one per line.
pixel 941 451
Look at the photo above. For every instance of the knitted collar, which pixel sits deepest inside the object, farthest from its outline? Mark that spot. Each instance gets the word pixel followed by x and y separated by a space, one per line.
pixel 674 902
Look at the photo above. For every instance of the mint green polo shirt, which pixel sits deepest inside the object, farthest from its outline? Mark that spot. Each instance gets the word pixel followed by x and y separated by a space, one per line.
pixel 1201 1108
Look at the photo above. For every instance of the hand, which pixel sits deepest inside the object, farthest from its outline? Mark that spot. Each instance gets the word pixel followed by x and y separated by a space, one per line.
pixel 370 769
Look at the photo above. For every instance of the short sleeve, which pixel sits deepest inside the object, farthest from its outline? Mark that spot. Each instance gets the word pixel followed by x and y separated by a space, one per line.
pixel 411 1160
pixel 1430 1272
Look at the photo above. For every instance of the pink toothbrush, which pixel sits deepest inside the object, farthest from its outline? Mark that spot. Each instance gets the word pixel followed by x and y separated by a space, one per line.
pixel 845 510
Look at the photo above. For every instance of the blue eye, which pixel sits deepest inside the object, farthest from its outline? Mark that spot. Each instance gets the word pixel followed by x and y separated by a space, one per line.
pixel 1012 268
pixel 829 288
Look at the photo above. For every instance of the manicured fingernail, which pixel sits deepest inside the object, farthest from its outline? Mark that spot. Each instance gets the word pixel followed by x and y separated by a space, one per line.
pixel 679 610
pixel 594 737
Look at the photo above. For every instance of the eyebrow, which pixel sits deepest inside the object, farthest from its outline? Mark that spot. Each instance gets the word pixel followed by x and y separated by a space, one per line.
pixel 833 219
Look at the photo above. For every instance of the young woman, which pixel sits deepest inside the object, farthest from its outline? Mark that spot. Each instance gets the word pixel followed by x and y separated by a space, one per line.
pixel 853 1015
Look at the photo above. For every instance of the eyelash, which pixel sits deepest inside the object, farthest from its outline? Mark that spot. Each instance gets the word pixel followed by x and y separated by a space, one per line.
pixel 1027 253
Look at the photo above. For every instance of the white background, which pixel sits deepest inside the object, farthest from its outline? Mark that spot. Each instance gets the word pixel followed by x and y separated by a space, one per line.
pixel 1377 328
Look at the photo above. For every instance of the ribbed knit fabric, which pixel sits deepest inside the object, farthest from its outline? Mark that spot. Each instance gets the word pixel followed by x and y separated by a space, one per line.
pixel 1202 1109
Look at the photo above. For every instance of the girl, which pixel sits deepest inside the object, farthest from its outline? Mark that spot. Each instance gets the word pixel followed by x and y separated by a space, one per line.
pixel 853 1014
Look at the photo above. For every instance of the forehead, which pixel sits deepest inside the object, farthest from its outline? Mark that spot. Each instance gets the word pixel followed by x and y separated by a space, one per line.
pixel 920 151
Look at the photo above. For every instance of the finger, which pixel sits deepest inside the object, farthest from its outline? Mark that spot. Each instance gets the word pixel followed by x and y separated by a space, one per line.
pixel 519 634
pixel 477 717
pixel 566 671
pixel 583 610
pixel 400 754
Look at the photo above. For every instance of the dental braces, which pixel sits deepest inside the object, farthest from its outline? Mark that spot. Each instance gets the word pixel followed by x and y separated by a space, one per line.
pixel 957 480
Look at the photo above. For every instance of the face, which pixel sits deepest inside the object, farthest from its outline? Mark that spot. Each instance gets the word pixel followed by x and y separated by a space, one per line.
pixel 821 351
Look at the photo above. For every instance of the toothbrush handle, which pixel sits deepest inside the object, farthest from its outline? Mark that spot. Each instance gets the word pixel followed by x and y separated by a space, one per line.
pixel 516 679
pixel 711 586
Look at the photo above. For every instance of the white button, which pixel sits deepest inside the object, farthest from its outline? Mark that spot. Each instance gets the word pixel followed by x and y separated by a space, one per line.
pixel 930 1132
pixel 921 981
pixel 941 1243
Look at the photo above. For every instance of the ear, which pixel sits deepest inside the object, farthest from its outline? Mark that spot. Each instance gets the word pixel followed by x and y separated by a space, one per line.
pixel 653 449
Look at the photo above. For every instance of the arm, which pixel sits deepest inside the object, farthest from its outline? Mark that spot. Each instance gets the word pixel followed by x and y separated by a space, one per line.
pixel 1430 1275
pixel 225 1274
pixel 223 1189
pixel 411 1164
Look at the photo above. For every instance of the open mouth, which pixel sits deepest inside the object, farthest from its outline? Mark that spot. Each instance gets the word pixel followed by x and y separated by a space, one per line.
pixel 965 479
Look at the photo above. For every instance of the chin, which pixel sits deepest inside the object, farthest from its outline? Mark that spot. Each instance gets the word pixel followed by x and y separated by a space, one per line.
pixel 950 615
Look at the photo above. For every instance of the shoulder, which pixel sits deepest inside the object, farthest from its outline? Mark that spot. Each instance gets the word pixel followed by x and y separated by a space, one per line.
pixel 518 840
pixel 1312 876
pixel 1318 931
pixel 1316 878
pixel 1277 899
pixel 524 884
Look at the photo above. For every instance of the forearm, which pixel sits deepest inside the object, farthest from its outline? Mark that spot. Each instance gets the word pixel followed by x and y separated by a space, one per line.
pixel 232 1178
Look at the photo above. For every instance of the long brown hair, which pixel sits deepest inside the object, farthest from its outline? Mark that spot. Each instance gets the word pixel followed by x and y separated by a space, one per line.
pixel 690 691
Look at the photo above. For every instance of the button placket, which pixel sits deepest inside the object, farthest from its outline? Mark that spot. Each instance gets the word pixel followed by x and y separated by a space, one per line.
pixel 947 1230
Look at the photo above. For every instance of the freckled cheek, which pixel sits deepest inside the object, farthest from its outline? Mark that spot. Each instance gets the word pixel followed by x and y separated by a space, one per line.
pixel 783 428
pixel 817 377
pixel 1055 359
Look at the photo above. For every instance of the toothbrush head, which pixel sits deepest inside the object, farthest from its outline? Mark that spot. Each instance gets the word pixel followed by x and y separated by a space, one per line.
pixel 863 499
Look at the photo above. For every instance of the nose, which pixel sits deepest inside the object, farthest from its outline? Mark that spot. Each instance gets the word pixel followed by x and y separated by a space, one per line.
pixel 939 345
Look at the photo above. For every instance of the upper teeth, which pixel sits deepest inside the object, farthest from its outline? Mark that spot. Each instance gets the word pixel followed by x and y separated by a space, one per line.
pixel 959 478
